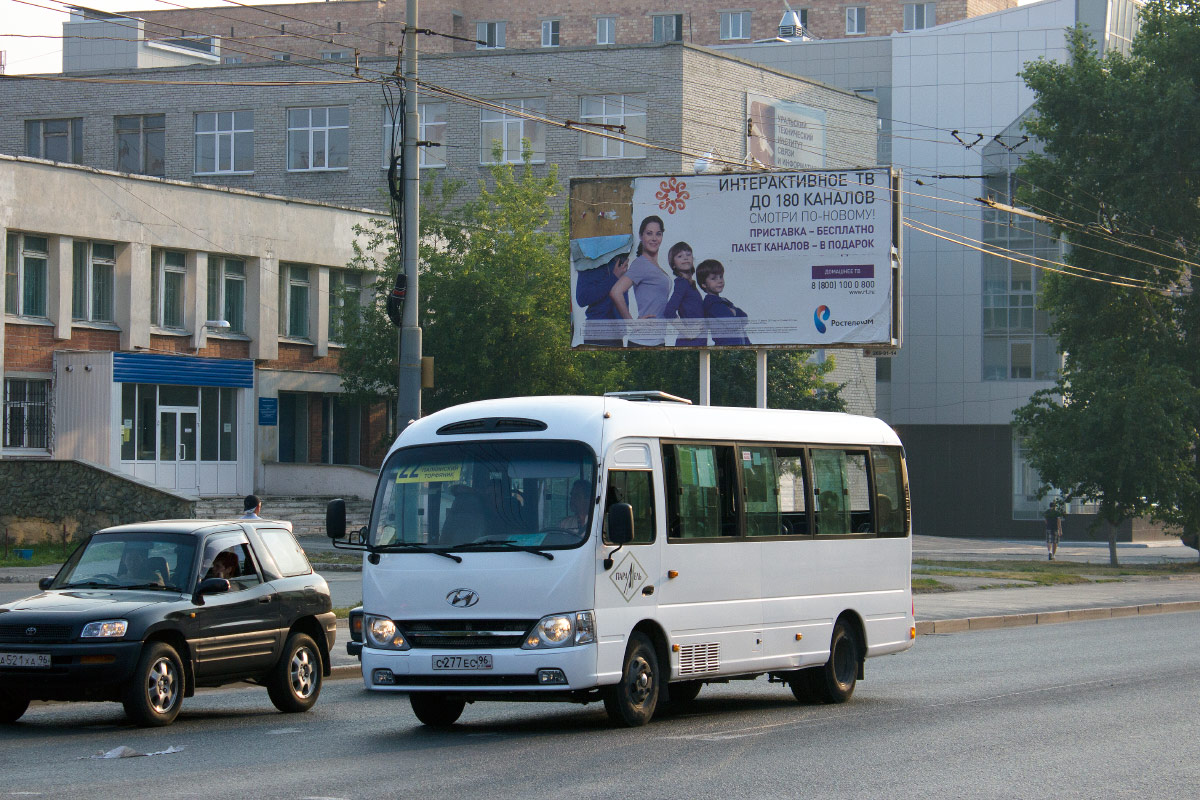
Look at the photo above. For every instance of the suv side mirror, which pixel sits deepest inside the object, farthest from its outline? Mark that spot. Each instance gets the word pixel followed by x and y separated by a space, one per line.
pixel 44 583
pixel 213 586
pixel 335 519
pixel 620 524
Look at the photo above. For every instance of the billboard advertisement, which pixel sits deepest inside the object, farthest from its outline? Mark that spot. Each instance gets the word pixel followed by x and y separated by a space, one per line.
pixel 783 134
pixel 804 259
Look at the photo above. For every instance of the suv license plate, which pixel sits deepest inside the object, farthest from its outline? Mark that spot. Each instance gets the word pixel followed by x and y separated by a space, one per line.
pixel 482 661
pixel 40 660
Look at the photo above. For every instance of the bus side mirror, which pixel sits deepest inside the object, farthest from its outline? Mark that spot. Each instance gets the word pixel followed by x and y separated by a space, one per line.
pixel 620 524
pixel 335 519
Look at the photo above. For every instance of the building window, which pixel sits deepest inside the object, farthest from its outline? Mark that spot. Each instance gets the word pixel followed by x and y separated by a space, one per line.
pixel 550 32
pixel 613 109
pixel 293 301
pixel 735 24
pixel 856 20
pixel 606 30
pixel 433 118
pixel 668 27
pixel 282 56
pixel 55 139
pixel 509 130
pixel 345 302
pixel 25 274
pixel 94 275
pixel 26 413
pixel 335 55
pixel 168 276
pixel 227 292
pixel 293 427
pixel 919 16
pixel 141 146
pixel 231 60
pixel 341 426
pixel 224 142
pixel 1016 344
pixel 318 138
pixel 490 35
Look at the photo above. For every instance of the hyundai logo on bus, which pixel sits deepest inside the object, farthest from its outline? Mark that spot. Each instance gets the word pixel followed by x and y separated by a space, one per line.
pixel 462 598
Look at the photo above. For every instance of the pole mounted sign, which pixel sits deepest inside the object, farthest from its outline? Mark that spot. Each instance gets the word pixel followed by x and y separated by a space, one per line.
pixel 806 259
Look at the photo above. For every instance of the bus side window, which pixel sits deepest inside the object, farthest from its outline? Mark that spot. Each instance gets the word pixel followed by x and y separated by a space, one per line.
pixel 701 491
pixel 890 498
pixel 635 487
pixel 793 494
pixel 843 492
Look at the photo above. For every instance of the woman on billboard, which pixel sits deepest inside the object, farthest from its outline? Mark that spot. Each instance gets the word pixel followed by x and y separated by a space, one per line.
pixel 651 285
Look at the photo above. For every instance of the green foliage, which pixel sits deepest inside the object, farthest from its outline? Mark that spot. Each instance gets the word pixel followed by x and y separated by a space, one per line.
pixel 495 311
pixel 1118 179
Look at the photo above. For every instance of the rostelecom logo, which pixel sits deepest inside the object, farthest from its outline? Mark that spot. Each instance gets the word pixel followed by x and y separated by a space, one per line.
pixel 820 317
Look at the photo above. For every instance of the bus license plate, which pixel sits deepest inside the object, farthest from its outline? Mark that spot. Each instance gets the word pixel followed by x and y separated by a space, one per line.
pixel 40 660
pixel 482 661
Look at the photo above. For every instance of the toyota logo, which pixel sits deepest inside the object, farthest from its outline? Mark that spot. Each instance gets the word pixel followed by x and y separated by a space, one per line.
pixel 30 631
pixel 462 598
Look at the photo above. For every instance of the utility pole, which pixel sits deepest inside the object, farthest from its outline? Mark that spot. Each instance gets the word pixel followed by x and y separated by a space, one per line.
pixel 408 403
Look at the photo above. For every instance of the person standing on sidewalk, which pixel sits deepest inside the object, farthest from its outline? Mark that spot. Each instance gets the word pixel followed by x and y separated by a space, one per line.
pixel 1054 515
pixel 250 507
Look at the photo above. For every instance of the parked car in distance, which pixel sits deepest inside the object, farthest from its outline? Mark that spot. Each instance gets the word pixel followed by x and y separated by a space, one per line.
pixel 144 614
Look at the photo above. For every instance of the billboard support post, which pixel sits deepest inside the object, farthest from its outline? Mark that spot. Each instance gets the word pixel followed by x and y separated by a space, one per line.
pixel 705 379
pixel 760 378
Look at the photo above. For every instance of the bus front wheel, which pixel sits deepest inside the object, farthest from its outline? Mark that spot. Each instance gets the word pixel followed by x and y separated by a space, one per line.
pixel 437 709
pixel 632 701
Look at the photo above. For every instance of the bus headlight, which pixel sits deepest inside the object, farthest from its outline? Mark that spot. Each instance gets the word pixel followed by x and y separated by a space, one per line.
pixel 382 633
pixel 562 630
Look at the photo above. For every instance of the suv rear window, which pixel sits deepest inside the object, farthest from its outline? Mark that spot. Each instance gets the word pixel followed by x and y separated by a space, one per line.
pixel 286 551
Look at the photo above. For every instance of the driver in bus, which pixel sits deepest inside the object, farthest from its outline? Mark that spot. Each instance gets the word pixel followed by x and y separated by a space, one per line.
pixel 581 506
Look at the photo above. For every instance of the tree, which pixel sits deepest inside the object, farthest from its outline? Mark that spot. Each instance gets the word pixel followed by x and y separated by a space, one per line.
pixel 1118 181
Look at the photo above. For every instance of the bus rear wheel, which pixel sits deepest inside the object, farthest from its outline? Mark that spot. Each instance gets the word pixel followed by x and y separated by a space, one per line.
pixel 835 682
pixel 632 701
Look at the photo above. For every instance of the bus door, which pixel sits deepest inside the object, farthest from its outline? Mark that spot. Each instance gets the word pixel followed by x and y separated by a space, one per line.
pixel 626 593
pixel 712 607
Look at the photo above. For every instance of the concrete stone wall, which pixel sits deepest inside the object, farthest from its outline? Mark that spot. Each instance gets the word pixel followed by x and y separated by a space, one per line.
pixel 38 498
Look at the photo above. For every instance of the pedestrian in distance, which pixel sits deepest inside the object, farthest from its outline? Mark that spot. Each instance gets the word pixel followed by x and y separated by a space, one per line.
pixel 250 507
pixel 1054 514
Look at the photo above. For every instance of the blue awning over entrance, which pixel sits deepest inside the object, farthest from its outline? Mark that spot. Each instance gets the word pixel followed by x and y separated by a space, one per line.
pixel 183 370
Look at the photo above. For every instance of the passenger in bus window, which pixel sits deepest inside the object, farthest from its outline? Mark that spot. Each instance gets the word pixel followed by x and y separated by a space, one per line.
pixel 580 505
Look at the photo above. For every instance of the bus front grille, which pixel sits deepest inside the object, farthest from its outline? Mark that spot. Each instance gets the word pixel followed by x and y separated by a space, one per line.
pixel 459 634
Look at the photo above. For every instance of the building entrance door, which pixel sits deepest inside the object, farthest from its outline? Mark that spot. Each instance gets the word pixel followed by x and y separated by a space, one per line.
pixel 178 453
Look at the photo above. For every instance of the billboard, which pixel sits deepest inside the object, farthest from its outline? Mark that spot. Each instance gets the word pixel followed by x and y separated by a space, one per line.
pixel 806 259
pixel 783 134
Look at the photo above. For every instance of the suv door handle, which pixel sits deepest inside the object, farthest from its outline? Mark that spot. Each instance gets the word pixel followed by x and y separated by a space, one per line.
pixel 266 598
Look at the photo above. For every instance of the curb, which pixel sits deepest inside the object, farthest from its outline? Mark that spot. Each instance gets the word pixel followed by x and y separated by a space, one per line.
pixel 339 672
pixel 926 627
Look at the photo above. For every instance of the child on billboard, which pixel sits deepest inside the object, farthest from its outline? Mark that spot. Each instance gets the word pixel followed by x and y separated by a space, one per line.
pixel 711 277
pixel 685 302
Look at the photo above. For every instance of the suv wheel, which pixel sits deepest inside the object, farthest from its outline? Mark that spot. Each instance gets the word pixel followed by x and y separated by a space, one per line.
pixel 155 693
pixel 295 682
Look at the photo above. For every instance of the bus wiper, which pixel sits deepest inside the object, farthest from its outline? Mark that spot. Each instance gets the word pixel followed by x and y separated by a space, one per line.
pixel 415 547
pixel 510 544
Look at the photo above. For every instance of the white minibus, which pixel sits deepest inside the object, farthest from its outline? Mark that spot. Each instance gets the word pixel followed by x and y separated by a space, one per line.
pixel 629 549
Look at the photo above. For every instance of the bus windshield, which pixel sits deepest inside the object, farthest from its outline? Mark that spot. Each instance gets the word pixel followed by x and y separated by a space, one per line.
pixel 486 495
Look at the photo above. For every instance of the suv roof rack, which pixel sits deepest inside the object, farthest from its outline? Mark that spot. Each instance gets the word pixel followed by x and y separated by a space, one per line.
pixel 649 397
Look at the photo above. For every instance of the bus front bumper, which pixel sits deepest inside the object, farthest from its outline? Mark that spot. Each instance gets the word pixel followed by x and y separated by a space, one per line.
pixel 566 668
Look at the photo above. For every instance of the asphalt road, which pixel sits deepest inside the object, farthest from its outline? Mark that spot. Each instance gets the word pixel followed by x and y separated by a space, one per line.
pixel 1089 709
